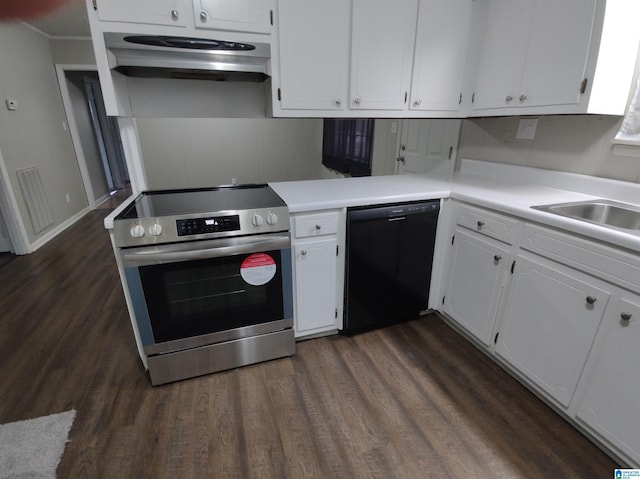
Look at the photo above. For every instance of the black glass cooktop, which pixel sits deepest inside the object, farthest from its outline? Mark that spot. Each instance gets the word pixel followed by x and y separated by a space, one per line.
pixel 153 204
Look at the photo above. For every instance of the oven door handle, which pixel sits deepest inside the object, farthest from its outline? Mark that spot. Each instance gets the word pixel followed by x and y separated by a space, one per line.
pixel 197 250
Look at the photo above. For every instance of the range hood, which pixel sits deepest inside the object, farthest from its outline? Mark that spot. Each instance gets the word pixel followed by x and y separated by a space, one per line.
pixel 161 56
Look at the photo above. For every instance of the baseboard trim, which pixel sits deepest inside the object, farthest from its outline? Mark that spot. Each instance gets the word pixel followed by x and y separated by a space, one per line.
pixel 49 235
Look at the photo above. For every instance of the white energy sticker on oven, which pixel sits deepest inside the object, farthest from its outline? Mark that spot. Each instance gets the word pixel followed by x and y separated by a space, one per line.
pixel 258 269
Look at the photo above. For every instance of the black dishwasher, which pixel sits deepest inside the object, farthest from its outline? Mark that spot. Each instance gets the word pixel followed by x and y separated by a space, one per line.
pixel 388 263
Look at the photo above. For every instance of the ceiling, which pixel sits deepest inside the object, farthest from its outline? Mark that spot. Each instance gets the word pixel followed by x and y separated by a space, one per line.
pixel 70 20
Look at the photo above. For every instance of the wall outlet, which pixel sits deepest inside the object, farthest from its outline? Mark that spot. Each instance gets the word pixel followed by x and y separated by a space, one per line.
pixel 67 197
pixel 394 127
pixel 527 128
pixel 12 105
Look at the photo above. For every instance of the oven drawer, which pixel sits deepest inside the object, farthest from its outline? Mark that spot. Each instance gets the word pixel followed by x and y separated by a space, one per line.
pixel 316 224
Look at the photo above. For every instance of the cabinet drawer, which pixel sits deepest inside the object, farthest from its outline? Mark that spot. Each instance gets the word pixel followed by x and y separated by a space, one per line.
pixel 316 224
pixel 490 224
pixel 602 261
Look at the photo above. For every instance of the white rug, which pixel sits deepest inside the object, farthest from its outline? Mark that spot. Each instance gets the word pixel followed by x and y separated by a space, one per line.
pixel 32 449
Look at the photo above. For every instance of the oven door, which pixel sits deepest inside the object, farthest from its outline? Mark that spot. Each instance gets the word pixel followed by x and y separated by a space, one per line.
pixel 197 293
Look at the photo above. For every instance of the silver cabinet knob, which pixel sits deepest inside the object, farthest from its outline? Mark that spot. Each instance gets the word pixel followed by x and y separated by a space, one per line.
pixel 508 99
pixel 303 252
pixel 591 299
pixel 203 16
pixel 417 102
pixel 523 98
pixel 480 224
pixel 497 258
pixel 625 316
pixel 174 14
pixel 338 102
pixel 400 159
pixel 357 100
pixel 318 227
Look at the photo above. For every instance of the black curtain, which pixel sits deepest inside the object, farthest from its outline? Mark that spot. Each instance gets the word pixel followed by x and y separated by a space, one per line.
pixel 347 145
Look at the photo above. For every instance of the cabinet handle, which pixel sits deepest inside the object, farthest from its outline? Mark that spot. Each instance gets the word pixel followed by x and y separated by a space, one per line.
pixel 523 98
pixel 480 224
pixel 203 16
pixel 625 316
pixel 417 103
pixel 400 159
pixel 497 258
pixel 591 299
pixel 356 100
pixel 303 252
pixel 508 99
pixel 318 227
pixel 174 14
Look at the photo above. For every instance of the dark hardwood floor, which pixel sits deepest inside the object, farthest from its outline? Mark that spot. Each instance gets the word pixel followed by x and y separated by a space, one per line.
pixel 410 401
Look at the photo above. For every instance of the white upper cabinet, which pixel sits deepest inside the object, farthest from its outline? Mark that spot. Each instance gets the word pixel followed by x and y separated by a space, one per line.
pixel 440 54
pixel 156 12
pixel 314 56
pixel 383 34
pixel 237 15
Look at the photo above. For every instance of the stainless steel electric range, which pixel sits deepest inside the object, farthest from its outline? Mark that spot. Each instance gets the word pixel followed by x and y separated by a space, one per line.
pixel 208 278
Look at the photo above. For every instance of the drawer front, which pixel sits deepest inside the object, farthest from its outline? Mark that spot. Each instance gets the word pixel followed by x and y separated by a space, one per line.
pixel 318 224
pixel 487 223
pixel 602 261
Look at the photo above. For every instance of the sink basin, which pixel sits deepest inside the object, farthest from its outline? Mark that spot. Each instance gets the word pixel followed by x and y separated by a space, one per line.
pixel 607 213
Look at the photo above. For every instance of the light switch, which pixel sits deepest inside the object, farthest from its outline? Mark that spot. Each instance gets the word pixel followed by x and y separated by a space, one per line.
pixel 527 128
pixel 12 105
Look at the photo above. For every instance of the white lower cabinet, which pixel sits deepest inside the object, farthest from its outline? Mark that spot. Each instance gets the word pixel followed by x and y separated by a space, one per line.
pixel 608 401
pixel 478 265
pixel 551 317
pixel 318 272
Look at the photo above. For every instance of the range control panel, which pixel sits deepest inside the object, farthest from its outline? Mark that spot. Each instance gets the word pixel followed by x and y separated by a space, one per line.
pixel 197 226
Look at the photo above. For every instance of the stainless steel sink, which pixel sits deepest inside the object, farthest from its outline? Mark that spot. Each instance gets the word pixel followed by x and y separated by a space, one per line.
pixel 607 213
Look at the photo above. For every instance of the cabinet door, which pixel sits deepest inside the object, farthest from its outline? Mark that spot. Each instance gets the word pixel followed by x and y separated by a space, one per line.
pixel 383 34
pixel 315 267
pixel 502 50
pixel 313 35
pixel 556 59
pixel 550 320
pixel 440 54
pixel 427 145
pixel 478 267
pixel 157 12
pixel 236 15
pixel 611 401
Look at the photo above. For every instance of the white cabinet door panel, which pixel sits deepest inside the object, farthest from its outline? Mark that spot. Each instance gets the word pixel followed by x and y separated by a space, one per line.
pixel 315 276
pixel 549 324
pixel 383 35
pixel 557 56
pixel 440 54
pixel 156 12
pixel 236 15
pixel 611 401
pixel 477 268
pixel 314 56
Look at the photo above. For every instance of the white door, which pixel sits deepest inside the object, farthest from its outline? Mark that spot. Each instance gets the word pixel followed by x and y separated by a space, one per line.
pixel 611 401
pixel 314 58
pixel 157 12
pixel 5 241
pixel 427 146
pixel 478 267
pixel 550 320
pixel 383 36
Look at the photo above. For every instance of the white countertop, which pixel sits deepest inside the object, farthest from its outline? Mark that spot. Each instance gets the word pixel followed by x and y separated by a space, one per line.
pixel 507 189
pixel 313 195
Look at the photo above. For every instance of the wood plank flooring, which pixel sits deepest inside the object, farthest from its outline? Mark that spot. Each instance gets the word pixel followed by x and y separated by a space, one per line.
pixel 410 401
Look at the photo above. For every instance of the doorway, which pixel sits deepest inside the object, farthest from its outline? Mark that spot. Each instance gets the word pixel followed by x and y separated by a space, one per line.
pixel 427 146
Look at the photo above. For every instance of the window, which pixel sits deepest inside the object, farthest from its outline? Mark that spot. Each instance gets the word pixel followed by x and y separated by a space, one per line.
pixel 629 132
pixel 347 146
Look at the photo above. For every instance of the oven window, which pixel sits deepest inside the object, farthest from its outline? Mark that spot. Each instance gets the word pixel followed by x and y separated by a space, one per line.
pixel 206 296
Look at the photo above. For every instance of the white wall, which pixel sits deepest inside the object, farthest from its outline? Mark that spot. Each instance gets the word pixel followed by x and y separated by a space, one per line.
pixel 574 143
pixel 199 152
pixel 35 134
pixel 71 51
